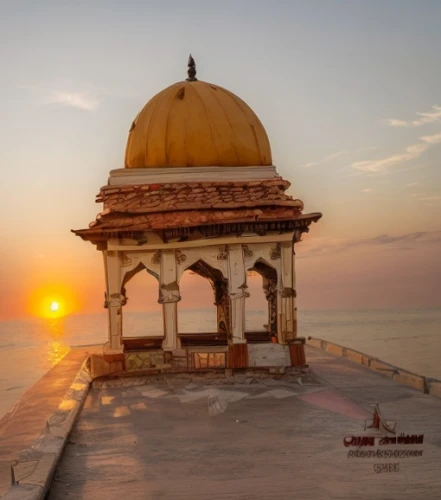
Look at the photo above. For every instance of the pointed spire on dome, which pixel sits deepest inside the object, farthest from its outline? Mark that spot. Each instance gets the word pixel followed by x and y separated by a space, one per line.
pixel 191 71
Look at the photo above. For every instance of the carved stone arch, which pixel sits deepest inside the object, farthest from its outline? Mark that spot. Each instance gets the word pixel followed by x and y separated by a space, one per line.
pixel 261 262
pixel 270 277
pixel 192 257
pixel 272 264
pixel 140 266
pixel 128 275
pixel 149 261
pixel 219 284
pixel 133 263
pixel 206 270
pixel 181 268
pixel 135 333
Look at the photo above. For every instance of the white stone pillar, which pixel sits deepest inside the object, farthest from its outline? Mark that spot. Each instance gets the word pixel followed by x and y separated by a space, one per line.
pixel 294 287
pixel 112 265
pixel 169 297
pixel 170 313
pixel 237 287
pixel 286 293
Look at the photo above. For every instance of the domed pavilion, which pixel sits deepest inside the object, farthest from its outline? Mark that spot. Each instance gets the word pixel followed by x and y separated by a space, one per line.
pixel 199 192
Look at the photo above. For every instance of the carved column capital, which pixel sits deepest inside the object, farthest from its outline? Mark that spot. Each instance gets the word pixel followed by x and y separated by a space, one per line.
pixel 169 293
pixel 115 300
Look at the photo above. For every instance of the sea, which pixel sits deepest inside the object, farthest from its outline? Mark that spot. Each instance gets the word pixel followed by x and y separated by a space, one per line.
pixel 410 339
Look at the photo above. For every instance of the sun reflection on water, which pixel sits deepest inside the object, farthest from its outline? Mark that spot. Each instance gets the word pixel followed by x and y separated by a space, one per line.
pixel 56 349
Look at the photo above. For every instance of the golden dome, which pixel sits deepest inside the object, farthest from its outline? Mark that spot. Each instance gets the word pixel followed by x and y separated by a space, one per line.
pixel 194 123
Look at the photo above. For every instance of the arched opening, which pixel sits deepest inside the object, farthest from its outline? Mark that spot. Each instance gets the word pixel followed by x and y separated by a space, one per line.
pixel 203 312
pixel 261 305
pixel 197 311
pixel 256 305
pixel 142 314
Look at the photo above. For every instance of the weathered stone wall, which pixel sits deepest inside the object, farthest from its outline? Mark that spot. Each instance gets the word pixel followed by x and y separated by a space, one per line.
pixel 144 360
pixel 424 384
pixel 268 355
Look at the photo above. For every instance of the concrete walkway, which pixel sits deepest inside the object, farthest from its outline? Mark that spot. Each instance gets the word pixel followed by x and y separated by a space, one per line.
pixel 265 439
pixel 23 424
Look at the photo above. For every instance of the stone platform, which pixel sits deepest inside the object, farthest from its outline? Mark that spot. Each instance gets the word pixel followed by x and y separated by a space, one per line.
pixel 251 436
pixel 196 358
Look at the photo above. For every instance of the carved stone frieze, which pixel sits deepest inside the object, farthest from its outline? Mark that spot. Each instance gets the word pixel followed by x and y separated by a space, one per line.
pixel 261 229
pixel 180 257
pixel 246 251
pixel 275 252
pixel 223 253
pixel 156 259
pixel 126 261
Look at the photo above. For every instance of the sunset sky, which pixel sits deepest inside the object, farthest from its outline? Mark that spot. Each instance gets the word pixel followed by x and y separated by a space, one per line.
pixel 348 91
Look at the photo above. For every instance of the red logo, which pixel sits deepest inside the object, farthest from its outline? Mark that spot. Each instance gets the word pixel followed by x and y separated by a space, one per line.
pixel 378 422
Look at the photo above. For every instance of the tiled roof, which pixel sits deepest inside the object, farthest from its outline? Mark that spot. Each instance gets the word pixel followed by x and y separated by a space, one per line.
pixel 196 196
pixel 175 205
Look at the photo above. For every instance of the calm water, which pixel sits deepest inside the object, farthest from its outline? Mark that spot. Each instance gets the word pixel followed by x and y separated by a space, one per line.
pixel 410 339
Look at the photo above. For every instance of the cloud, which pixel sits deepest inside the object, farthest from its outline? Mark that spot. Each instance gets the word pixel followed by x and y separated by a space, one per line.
pixel 384 239
pixel 325 159
pixel 432 139
pixel 334 155
pixel 79 100
pixel 411 184
pixel 397 123
pixel 429 117
pixel 367 190
pixel 410 153
pixel 80 94
pixel 379 165
pixel 430 198
pixel 322 246
pixel 66 93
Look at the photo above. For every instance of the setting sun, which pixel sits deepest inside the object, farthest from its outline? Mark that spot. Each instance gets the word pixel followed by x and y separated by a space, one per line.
pixel 51 308
pixel 55 306
pixel 53 301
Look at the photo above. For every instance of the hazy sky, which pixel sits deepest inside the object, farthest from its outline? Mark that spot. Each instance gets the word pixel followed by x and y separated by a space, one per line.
pixel 349 93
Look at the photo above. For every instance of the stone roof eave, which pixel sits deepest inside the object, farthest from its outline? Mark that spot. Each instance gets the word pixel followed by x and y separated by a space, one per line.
pixel 232 227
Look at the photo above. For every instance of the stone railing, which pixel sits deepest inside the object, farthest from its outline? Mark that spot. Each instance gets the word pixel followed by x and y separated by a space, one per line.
pixel 427 385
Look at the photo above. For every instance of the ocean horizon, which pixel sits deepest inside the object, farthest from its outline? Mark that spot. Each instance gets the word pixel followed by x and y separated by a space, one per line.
pixel 408 338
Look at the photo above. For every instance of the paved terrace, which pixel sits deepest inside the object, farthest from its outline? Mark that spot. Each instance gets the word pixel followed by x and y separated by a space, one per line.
pixel 274 439
pixel 24 422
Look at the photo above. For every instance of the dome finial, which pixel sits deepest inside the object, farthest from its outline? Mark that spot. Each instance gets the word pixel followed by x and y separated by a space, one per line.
pixel 191 71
